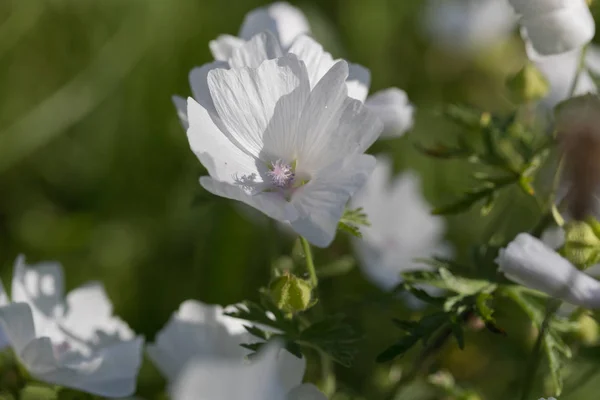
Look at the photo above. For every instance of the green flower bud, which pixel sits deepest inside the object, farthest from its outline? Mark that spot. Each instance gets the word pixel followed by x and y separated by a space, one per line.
pixel 587 330
pixel 582 246
pixel 291 294
pixel 528 84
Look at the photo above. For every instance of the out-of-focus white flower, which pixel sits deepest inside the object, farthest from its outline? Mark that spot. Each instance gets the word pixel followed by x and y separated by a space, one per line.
pixel 560 71
pixel 402 227
pixel 556 26
pixel 274 374
pixel 272 31
pixel 74 341
pixel 529 262
pixel 197 330
pixel 468 25
pixel 292 152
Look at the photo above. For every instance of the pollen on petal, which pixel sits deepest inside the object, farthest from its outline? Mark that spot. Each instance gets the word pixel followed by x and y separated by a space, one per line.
pixel 281 174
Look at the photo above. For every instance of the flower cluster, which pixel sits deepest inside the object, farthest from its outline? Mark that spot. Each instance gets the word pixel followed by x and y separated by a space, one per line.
pixel 283 127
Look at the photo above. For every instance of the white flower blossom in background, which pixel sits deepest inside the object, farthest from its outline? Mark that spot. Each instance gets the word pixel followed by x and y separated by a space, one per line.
pixel 555 27
pixel 75 341
pixel 197 330
pixel 272 31
pixel 560 71
pixel 269 140
pixel 274 374
pixel 531 263
pixel 402 227
pixel 468 26
pixel 285 21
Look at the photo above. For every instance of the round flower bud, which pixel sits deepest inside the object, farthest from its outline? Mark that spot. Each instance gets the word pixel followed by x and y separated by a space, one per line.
pixel 291 294
pixel 587 330
pixel 582 246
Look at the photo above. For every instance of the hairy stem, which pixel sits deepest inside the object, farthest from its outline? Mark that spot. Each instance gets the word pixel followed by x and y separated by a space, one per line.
pixel 310 265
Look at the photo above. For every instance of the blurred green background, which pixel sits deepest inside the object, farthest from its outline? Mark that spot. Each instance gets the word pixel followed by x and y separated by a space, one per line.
pixel 96 172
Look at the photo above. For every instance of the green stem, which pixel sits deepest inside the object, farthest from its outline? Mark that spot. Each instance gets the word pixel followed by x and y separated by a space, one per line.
pixel 328 380
pixel 310 265
pixel 534 361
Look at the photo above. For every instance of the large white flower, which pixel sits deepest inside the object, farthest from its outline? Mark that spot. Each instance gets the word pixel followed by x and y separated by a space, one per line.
pixel 402 227
pixel 274 374
pixel 529 262
pixel 468 25
pixel 269 140
pixel 556 26
pixel 197 330
pixel 74 341
pixel 286 27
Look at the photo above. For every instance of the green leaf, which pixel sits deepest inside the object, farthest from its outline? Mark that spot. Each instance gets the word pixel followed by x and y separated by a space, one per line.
pixel 444 279
pixel 397 349
pixel 414 331
pixel 333 336
pixel 352 220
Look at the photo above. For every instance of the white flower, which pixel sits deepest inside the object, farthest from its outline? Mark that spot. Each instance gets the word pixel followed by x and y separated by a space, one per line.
pixel 468 25
pixel 402 227
pixel 272 31
pixel 556 26
pixel 275 374
pixel 74 342
pixel 529 262
pixel 270 141
pixel 560 71
pixel 197 330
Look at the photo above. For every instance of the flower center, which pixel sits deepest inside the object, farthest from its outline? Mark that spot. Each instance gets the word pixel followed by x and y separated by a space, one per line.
pixel 282 175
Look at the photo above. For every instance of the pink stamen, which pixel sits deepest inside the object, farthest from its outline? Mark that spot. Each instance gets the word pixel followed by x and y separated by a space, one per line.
pixel 282 175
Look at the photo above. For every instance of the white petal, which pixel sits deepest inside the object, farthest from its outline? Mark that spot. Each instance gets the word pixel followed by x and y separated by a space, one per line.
pixel 290 368
pixel 306 392
pixel 181 106
pixel 111 372
pixel 560 30
pixel 212 379
pixel 560 71
pixel 317 60
pixel 16 321
pixel 531 263
pixel 592 59
pixel 42 287
pixel 272 204
pixel 283 20
pixel 321 201
pixel 246 99
pixel 222 47
pixel 261 47
pixel 197 330
pixel 333 125
pixel 223 159
pixel 89 316
pixel 199 83
pixel 394 109
pixel 359 81
pixel 397 235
